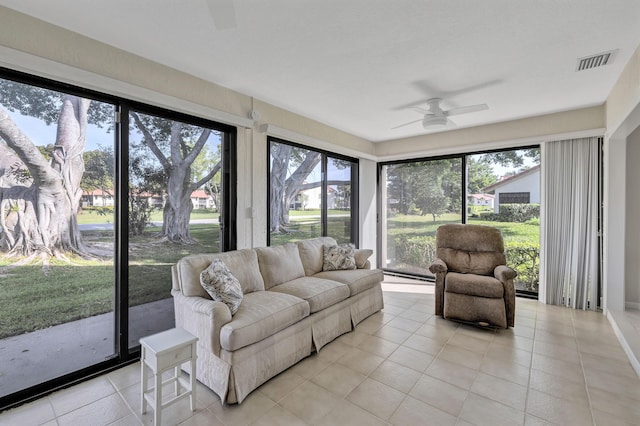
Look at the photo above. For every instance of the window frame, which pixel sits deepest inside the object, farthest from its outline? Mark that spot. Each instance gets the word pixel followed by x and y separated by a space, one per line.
pixel 325 155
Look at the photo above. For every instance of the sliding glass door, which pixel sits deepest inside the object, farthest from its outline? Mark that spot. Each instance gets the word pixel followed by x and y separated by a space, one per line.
pixel 99 197
pixel 175 200
pixel 56 234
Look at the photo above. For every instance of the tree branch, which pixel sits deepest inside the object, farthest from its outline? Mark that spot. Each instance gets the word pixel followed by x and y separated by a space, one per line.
pixel 202 140
pixel 207 178
pixel 151 143
pixel 24 148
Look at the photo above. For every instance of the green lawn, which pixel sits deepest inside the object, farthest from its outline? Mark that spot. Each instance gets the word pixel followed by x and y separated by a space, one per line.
pixel 31 300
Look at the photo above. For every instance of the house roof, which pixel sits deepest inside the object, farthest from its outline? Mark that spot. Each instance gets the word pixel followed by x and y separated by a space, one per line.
pixel 362 66
pixel 511 179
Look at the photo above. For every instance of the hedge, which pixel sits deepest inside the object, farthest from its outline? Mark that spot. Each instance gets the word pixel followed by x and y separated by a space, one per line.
pixel 513 213
pixel 523 257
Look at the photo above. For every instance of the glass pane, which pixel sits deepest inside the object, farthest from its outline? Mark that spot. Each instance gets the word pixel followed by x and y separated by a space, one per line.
pixel 339 199
pixel 295 201
pixel 56 234
pixel 418 197
pixel 174 210
pixel 503 190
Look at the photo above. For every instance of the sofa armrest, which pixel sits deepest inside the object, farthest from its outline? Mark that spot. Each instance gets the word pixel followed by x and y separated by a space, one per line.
pixel 503 273
pixel 438 265
pixel 201 317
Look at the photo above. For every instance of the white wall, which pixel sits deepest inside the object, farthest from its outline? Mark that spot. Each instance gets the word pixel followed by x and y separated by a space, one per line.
pixel 622 119
pixel 632 226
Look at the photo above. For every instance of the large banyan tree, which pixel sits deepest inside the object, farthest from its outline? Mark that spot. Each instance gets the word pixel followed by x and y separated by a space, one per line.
pixel 40 189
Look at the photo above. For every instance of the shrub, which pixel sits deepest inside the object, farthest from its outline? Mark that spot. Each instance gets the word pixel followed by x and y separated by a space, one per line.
pixel 513 213
pixel 415 250
pixel 524 258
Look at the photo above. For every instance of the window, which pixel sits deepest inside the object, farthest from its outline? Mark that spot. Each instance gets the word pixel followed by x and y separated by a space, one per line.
pixel 499 188
pixel 311 194
pixel 417 197
pixel 514 197
pixel 93 213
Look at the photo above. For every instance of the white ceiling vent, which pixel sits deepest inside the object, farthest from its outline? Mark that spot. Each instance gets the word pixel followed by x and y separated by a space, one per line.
pixel 595 61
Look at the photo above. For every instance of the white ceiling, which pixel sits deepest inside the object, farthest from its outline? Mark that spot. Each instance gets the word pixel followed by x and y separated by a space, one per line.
pixel 358 64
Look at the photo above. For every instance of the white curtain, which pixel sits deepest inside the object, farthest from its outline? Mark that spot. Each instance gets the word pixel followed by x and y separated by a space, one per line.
pixel 569 204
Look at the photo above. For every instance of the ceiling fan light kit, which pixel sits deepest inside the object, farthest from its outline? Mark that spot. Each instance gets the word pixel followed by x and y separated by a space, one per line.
pixel 434 121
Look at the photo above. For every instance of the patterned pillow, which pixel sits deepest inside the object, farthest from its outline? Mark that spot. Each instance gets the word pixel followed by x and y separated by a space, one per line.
pixel 339 257
pixel 221 285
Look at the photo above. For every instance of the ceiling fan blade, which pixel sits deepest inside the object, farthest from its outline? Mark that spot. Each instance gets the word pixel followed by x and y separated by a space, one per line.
pixel 421 110
pixel 466 110
pixel 406 124
pixel 223 13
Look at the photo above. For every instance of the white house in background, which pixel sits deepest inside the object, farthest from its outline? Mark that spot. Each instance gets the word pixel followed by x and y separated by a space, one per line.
pixel 311 199
pixel 521 188
pixel 481 200
pixel 97 198
pixel 201 200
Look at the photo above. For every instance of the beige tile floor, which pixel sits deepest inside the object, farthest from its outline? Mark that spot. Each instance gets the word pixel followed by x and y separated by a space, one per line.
pixel 404 366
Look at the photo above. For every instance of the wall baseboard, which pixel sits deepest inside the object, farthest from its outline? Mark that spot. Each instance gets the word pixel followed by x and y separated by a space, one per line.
pixel 632 305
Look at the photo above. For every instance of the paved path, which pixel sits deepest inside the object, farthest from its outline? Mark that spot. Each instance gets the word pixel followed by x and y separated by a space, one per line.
pixel 42 355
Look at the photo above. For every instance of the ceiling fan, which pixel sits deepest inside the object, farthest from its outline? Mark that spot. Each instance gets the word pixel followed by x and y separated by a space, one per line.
pixel 223 13
pixel 435 117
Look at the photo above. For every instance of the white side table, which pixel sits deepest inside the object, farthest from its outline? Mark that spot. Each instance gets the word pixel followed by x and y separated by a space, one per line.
pixel 162 352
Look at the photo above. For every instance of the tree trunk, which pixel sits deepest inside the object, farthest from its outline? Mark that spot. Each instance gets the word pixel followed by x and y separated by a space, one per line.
pixel 279 165
pixel 178 207
pixel 42 213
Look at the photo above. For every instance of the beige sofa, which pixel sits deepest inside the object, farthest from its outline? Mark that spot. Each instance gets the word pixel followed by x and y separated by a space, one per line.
pixel 290 308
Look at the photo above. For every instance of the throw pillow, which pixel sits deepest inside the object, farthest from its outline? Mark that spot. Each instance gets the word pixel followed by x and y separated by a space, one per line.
pixel 221 285
pixel 362 255
pixel 339 257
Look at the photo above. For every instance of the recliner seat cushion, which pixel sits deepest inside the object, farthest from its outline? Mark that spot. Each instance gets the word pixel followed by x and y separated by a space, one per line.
pixel 319 293
pixel 473 285
pixel 358 280
pixel 261 314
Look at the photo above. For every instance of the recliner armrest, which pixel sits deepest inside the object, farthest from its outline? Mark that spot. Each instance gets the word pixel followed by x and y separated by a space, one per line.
pixel 503 273
pixel 438 265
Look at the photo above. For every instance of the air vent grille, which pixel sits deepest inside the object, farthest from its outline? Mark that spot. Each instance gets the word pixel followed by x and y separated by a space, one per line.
pixel 595 61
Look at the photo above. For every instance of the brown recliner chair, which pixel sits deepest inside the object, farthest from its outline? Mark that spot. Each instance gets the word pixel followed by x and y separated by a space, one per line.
pixel 473 283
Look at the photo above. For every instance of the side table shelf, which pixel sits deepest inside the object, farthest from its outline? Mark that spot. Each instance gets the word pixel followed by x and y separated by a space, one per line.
pixel 162 352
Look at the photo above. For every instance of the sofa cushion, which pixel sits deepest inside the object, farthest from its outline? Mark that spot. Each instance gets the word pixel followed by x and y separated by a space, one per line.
pixel 221 285
pixel 358 280
pixel 339 257
pixel 473 285
pixel 319 293
pixel 312 253
pixel 261 314
pixel 243 264
pixel 279 264
pixel 362 257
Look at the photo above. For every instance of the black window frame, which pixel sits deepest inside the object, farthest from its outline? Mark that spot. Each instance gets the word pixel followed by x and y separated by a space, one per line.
pixel 123 354
pixel 355 234
pixel 465 202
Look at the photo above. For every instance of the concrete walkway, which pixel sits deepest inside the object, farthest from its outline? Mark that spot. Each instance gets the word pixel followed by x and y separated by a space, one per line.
pixel 42 355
